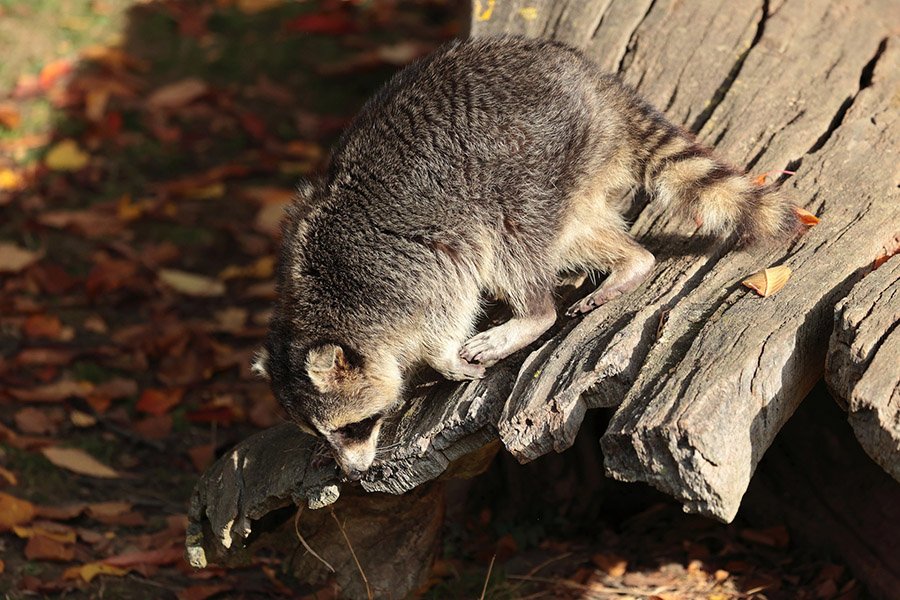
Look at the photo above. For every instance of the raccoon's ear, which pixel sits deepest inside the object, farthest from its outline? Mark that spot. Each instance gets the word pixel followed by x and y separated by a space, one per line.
pixel 326 365
pixel 260 364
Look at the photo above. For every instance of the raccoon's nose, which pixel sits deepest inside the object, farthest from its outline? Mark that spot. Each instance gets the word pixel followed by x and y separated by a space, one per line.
pixel 355 474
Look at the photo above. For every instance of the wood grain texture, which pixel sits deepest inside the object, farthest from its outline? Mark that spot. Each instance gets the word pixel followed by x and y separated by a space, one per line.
pixel 704 372
pixel 863 368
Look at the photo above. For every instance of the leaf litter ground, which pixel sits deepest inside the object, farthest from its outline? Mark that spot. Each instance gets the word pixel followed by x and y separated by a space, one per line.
pixel 147 150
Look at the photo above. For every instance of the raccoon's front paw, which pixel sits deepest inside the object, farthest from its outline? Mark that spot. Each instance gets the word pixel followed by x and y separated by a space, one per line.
pixel 589 303
pixel 463 371
pixel 486 348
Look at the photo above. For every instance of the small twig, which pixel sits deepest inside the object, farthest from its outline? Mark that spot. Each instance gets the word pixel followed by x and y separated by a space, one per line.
pixel 547 562
pixel 305 545
pixel 487 578
pixel 353 554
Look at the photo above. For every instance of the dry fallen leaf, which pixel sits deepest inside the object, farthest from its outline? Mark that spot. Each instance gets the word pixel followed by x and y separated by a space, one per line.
pixel 78 461
pixel 49 530
pixel 191 284
pixel 14 511
pixel 35 421
pixel 176 95
pixel 159 402
pixel 768 281
pixel 10 180
pixel 612 564
pixel 44 548
pixel 13 258
pixel 89 571
pixel 263 268
pixel 8 476
pixel 251 7
pixel 53 392
pixel 66 156
pixel 9 116
pixel 806 217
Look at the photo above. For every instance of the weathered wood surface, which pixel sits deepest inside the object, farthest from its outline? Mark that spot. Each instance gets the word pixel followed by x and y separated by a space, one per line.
pixel 863 368
pixel 706 372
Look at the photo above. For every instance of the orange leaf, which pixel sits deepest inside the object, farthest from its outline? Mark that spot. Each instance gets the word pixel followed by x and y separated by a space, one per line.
pixel 42 326
pixel 806 217
pixel 11 181
pixel 9 116
pixel 158 402
pixel 78 461
pixel 53 531
pixel 53 72
pixel 14 511
pixel 44 548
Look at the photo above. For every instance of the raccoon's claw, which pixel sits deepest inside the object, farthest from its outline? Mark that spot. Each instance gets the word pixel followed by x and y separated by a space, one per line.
pixel 589 303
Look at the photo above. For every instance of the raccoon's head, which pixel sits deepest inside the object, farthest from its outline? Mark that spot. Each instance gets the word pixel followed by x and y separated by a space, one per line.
pixel 335 393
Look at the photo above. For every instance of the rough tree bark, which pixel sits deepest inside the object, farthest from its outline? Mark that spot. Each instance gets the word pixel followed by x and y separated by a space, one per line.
pixel 863 369
pixel 704 373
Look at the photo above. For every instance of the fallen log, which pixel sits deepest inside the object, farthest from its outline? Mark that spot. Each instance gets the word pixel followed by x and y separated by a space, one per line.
pixel 704 371
pixel 863 368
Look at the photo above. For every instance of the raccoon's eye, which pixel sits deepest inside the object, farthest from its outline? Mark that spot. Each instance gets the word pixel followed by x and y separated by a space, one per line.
pixel 361 430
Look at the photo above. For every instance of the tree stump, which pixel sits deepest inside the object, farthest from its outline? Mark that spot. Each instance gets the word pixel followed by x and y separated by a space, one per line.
pixel 704 372
pixel 863 369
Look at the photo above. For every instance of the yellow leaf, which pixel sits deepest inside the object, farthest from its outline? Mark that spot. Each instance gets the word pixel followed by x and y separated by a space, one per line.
pixel 78 461
pixel 261 269
pixel 14 511
pixel 768 281
pixel 89 571
pixel 66 156
pixel 10 180
pixel 251 7
pixel 205 192
pixel 529 13
pixel 59 533
pixel 806 217
pixel 191 284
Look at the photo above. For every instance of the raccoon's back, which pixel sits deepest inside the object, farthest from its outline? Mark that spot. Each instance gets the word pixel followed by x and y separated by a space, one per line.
pixel 480 127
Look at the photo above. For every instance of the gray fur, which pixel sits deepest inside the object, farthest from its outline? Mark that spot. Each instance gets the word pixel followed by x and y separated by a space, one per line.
pixel 486 168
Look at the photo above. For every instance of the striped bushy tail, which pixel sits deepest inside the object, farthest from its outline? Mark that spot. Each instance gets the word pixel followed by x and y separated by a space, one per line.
pixel 722 199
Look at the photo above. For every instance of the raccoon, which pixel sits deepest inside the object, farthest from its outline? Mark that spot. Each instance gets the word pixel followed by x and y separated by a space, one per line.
pixel 485 169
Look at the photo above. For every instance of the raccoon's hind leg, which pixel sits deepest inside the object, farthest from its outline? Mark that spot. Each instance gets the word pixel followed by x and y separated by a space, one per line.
pixel 527 325
pixel 602 244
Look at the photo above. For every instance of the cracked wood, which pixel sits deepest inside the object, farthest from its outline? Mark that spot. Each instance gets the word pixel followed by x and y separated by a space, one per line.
pixel 863 368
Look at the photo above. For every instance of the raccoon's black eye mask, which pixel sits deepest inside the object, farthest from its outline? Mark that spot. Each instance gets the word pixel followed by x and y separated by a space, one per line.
pixel 361 430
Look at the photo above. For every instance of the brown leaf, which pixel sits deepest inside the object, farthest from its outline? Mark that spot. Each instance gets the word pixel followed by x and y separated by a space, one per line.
pixel 768 281
pixel 154 428
pixel 176 95
pixel 61 513
pixel 78 461
pixel 53 392
pixel 35 421
pixel 158 402
pixel 43 548
pixel 115 513
pixel 14 511
pixel 14 258
pixel 163 556
pixel 263 268
pixel 47 326
pixel 191 284
pixel 115 388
